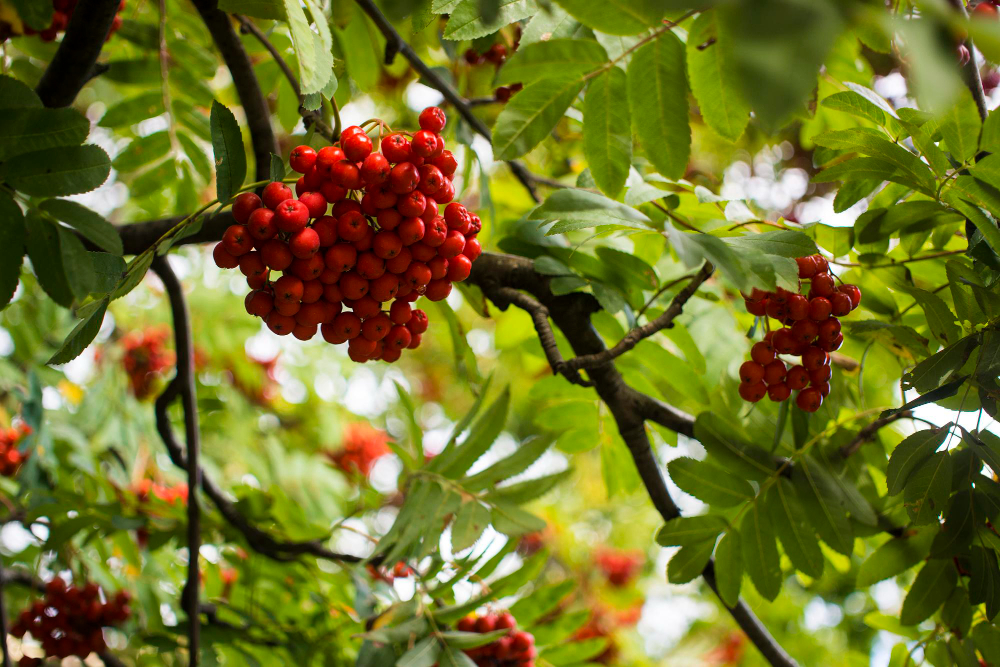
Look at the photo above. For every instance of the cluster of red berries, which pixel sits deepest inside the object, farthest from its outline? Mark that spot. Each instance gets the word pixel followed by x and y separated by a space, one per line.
pixel 361 446
pixel 497 54
pixel 145 358
pixel 385 238
pixel 619 567
pixel 69 620
pixel 62 11
pixel 144 488
pixel 989 9
pixel 515 649
pixel 400 570
pixel 811 332
pixel 10 457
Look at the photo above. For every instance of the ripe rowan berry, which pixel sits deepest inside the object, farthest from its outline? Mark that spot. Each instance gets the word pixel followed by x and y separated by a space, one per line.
pixel 399 312
pixel 252 264
pixel 438 290
pixel 222 258
pixel 758 308
pixel 854 292
pixel 417 274
pixel 375 170
pixel 797 378
pixel 418 322
pixel 780 391
pixel 411 204
pixel 753 392
pixel 809 400
pixel 356 146
pixel 376 327
pixel 804 331
pixel 352 226
pixel 237 240
pixel 279 324
pixel 453 244
pixel 445 193
pixel 807 266
pixel 423 252
pixel 360 349
pixel 346 174
pixel 400 262
pixel 411 230
pixel 332 192
pixel 762 353
pixel 797 307
pixel 327 157
pixel 385 287
pixel 404 178
pixel 774 372
pixel 473 249
pixel 985 10
pixel 291 215
pixel 396 148
pixel 430 210
pixel 353 285
pixel 307 269
pixel 832 344
pixel 783 341
pixel 262 225
pixel 276 254
pixel 259 303
pixel 304 243
pixel 315 203
pixel 432 119
pixel 424 143
pixel 370 266
pixel 459 268
pixel 819 308
pixel 446 162
pixel 302 159
pixel 274 193
pixel 751 372
pixel 245 204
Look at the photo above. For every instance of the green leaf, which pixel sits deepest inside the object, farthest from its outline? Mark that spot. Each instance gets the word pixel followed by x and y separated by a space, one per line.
pixel 464 640
pixel 277 168
pixel 423 654
pixel 960 127
pixel 529 490
pixel 37 15
pixel 133 109
pixel 822 501
pixel 543 600
pixel 26 130
pixel 450 657
pixel 858 169
pixel 797 535
pixel 56 172
pixel 527 453
pixel 77 265
pixel 455 461
pixel 909 454
pixel 984 582
pixel 575 652
pixel 470 522
pixel 530 115
pixel 511 520
pixel 468 22
pixel 930 589
pixel 46 259
pixel 896 556
pixel 657 93
pixel 688 563
pixel 315 60
pixel 926 493
pixel 262 9
pixel 90 224
pixel 904 218
pixel 784 243
pixel 714 80
pixel 744 460
pixel 729 567
pixel 230 157
pixel 13 238
pixel 685 530
pixel 15 94
pixel 539 60
pixel 589 209
pixel 709 483
pixel 607 135
pixel 874 143
pixel 760 551
pixel 142 151
pixel 108 271
pixel 81 336
pixel 615 17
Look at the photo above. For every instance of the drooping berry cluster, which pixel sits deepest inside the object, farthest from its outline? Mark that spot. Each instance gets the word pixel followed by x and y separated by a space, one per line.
pixel 515 649
pixel 10 457
pixel 146 357
pixel 11 24
pixel 69 620
pixel 385 238
pixel 811 331
pixel 619 567
pixel 361 446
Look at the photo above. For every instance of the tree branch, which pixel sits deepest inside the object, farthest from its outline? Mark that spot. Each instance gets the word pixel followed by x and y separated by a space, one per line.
pixel 396 44
pixel 251 98
pixel 970 71
pixel 632 338
pixel 4 623
pixel 74 63
pixel 183 383
pixel 310 117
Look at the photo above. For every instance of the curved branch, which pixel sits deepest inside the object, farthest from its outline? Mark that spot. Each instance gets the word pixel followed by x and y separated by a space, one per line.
pixel 245 81
pixel 74 63
pixel 396 44
pixel 183 383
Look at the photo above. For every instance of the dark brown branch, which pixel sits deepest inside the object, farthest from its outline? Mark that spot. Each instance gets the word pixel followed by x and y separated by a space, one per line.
pixel 632 338
pixel 869 432
pixel 314 118
pixel 74 63
pixel 251 98
pixel 4 623
pixel 184 384
pixel 396 44
pixel 970 71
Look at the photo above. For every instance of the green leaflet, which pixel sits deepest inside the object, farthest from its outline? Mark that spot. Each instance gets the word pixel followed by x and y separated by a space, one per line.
pixel 760 551
pixel 230 157
pixel 686 530
pixel 607 136
pixel 657 93
pixel 689 562
pixel 709 483
pixel 896 556
pixel 797 535
pixel 910 453
pixel 926 493
pixel 729 567
pixel 714 79
pixel 532 113
pixel 930 589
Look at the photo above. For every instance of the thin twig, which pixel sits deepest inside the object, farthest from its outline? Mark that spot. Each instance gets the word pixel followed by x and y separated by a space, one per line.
pixel 310 117
pixel 659 292
pixel 970 71
pixel 869 432
pixel 900 262
pixel 632 338
pixel 185 385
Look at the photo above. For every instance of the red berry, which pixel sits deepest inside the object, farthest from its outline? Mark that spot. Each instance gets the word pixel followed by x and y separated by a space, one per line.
pixel 389 218
pixel 804 331
pixel 222 257
pixel 332 192
pixel 823 284
pixel 280 324
pixel 797 378
pixel 445 193
pixel 304 243
pixel 404 178
pixel 431 179
pixel 438 290
pixel 411 204
pixel 396 148
pixel 312 291
pixel 326 228
pixel 347 325
pixel 854 292
pixel 807 266
pixel 275 193
pixel 758 308
pixel 417 274
pixel 832 344
pixel 840 304
pixel 353 285
pixel 814 358
pixel 453 244
pixel 315 202
pixel 819 308
pixel 276 254
pixel 384 288
pixel 418 322
pixel 346 174
pixel 424 143
pixel 288 289
pixel 237 240
pixel 376 328
pixel 399 263
pixel 778 392
pixel 252 264
pixel 751 372
pixel 245 204
pixel 262 225
pixel 259 303
pixel 473 249
pixel 753 392
pixel 341 256
pixel 430 210
pixel 446 162
pixel 438 267
pixel 432 119
pixel 798 307
pixel 986 10
pixel 459 268
pixel 456 215
pixel 809 400
pixel 820 374
pixel 762 352
pixel 291 215
pixel 356 146
pixel 360 349
pixel 352 226
pixel 783 341
pixel 777 310
pixel 302 158
pixel 485 624
pixel 370 266
pixel 411 230
pixel 327 157
pixel 435 232
pixel 400 312
pixel 375 169
pixel 423 252
pixel 308 269
pixel 774 372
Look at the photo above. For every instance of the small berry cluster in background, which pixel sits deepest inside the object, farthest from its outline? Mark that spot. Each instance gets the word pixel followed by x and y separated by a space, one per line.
pixel 602 624
pixel 146 357
pixel 10 457
pixel 619 567
pixel 177 493
pixel 11 24
pixel 399 571
pixel 811 331
pixel 70 620
pixel 361 446
pixel 386 239
pixel 515 649
pixel 497 55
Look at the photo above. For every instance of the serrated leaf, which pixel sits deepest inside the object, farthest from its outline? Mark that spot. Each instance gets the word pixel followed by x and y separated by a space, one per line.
pixel 46 260
pixel 81 336
pixel 714 79
pixel 230 156
pixel 909 454
pixel 26 130
pixel 936 369
pixel 823 504
pixel 657 94
pixel 792 527
pixel 960 127
pixel 607 136
pixel 13 238
pixel 530 115
pixel 529 490
pixel 588 208
pixel 709 483
pixel 688 563
pixel 526 454
pixel 934 583
pixel 470 522
pixel 455 461
pixel 873 143
pixel 729 567
pixel 747 461
pixel 423 654
pixel 56 172
pixel 277 168
pixel 468 22
pixel 686 530
pixel 783 243
pixel 926 492
pixel 91 225
pixel 760 551
pixel 16 94
pixel 547 58
pixel 511 520
pixel 895 557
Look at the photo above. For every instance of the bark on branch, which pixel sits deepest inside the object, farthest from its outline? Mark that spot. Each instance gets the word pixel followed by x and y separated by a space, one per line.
pixel 75 61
